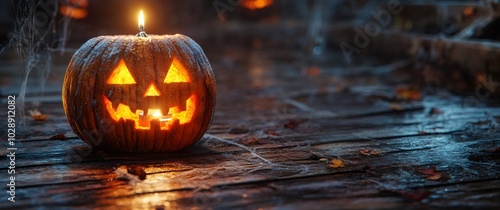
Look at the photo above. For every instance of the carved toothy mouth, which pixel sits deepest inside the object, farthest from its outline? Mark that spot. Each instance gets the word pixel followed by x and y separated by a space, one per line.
pixel 143 119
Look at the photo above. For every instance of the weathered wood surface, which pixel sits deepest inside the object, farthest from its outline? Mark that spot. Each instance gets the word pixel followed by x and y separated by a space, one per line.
pixel 286 122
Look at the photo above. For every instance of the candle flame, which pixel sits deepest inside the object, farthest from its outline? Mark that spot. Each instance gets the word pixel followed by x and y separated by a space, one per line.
pixel 141 33
pixel 141 21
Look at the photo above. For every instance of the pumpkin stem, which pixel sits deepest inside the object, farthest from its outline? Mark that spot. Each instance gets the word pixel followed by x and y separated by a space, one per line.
pixel 142 34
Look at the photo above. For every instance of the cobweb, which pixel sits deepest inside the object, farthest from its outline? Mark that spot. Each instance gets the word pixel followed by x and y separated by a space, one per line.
pixel 38 33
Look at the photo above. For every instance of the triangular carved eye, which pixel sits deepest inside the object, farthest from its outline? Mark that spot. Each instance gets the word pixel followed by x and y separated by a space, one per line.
pixel 121 75
pixel 177 73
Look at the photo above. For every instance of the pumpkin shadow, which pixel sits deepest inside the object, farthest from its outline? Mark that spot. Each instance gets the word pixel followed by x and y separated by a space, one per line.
pixel 198 153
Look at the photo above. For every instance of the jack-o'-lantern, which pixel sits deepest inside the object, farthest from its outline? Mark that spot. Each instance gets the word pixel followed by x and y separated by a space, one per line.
pixel 139 94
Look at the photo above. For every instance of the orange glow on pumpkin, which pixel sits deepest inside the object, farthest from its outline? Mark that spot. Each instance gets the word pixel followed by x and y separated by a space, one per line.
pixel 184 116
pixel 152 91
pixel 257 4
pixel 143 121
pixel 121 75
pixel 177 73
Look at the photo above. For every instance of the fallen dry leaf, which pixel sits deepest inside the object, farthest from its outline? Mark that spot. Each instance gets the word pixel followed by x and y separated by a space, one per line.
pixel 376 152
pixel 252 140
pixel 468 11
pixel 123 174
pixel 494 149
pixel 272 133
pixel 417 195
pixel 395 106
pixel 435 111
pixel 428 171
pixel 336 163
pixel 368 152
pixel 422 132
pixel 138 171
pixel 433 174
pixel 313 71
pixel 58 137
pixel 364 152
pixel 408 93
pixel 37 115
pixel 293 123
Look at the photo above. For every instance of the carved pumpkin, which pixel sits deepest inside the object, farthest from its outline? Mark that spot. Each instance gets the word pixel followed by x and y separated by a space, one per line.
pixel 138 94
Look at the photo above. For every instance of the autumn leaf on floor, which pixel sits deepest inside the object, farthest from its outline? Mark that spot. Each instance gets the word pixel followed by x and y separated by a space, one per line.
pixel 123 173
pixel 428 171
pixel 408 93
pixel 272 133
pixel 368 152
pixel 313 71
pixel 37 115
pixel 435 111
pixel 252 140
pixel 433 174
pixel 58 137
pixel 138 171
pixel 493 149
pixel 422 132
pixel 434 177
pixel 336 163
pixel 395 107
pixel 417 195
pixel 293 123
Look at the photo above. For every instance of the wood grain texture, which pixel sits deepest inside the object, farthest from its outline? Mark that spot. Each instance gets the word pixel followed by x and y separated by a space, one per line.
pixel 287 125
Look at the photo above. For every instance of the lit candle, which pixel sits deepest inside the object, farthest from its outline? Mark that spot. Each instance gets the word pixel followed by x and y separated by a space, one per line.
pixel 141 33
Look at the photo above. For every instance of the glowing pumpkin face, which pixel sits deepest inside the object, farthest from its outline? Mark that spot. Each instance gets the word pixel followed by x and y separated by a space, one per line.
pixel 177 75
pixel 135 94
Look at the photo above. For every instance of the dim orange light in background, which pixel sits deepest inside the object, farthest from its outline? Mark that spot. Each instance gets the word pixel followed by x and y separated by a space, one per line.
pixel 468 11
pixel 257 4
pixel 76 9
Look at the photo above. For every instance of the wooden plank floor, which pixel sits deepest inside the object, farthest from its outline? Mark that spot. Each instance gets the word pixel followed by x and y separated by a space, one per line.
pixel 441 151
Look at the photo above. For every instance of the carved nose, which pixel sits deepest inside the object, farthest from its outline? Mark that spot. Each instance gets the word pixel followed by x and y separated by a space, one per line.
pixel 152 91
